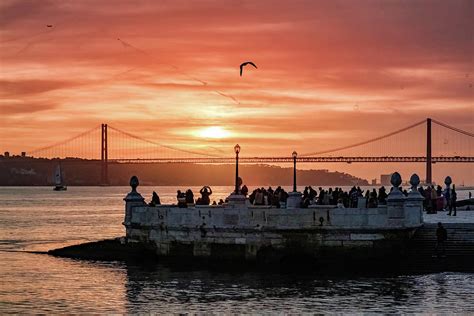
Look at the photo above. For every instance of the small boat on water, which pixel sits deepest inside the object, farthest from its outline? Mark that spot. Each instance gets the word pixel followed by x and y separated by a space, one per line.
pixel 58 180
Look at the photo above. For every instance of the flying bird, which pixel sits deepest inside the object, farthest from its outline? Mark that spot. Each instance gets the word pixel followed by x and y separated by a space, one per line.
pixel 49 25
pixel 245 64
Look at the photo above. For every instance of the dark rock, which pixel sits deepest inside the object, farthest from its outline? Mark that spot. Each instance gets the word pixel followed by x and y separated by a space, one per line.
pixel 107 250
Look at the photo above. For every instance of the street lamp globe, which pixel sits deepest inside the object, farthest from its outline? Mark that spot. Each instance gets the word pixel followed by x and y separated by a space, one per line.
pixel 237 148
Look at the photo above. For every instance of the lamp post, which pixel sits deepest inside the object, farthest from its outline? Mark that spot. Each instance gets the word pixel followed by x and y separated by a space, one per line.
pixel 237 151
pixel 294 154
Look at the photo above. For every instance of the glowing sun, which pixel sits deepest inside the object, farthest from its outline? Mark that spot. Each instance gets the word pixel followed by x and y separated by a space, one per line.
pixel 213 132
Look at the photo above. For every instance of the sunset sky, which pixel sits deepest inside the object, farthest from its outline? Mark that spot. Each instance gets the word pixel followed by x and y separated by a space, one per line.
pixel 330 73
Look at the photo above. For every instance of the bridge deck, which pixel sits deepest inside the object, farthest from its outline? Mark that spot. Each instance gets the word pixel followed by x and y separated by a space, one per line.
pixel 440 159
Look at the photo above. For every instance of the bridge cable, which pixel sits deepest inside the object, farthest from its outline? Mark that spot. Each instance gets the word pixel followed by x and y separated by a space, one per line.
pixel 364 142
pixel 453 128
pixel 64 141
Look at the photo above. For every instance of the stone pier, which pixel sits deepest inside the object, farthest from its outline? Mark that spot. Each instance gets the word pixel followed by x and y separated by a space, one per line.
pixel 237 230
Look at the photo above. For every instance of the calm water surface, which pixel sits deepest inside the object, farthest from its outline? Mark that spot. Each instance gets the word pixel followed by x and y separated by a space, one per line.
pixel 38 219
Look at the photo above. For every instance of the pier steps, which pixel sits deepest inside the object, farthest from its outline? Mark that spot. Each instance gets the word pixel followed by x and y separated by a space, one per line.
pixel 459 248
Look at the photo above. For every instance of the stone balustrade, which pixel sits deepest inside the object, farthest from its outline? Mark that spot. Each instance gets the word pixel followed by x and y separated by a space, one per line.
pixel 406 215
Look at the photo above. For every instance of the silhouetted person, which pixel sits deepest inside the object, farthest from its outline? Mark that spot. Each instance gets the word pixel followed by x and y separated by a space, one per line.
pixel 265 196
pixel 372 202
pixel 214 203
pixel 374 192
pixel 305 202
pixel 181 197
pixel 221 201
pixel 306 193
pixel 330 197
pixel 429 208
pixel 382 196
pixel 252 196
pixel 283 196
pixel 439 190
pixel 259 199
pixel 321 196
pixel 326 198
pixel 239 185
pixel 345 199
pixel 441 237
pixel 312 193
pixel 354 195
pixel 367 196
pixel 275 198
pixel 155 199
pixel 447 197
pixel 434 199
pixel 189 197
pixel 421 190
pixel 453 198
pixel 268 193
pixel 244 190
pixel 205 193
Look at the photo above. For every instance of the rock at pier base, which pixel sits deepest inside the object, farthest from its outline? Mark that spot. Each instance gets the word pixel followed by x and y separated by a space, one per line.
pixel 330 261
pixel 107 250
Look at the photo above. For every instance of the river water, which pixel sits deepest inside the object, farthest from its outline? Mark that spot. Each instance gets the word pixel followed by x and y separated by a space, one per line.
pixel 39 219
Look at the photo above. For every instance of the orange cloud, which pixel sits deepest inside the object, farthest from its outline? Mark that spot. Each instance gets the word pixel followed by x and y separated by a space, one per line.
pixel 329 72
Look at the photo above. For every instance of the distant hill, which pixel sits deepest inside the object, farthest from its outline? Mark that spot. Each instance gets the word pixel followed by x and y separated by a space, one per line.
pixel 33 171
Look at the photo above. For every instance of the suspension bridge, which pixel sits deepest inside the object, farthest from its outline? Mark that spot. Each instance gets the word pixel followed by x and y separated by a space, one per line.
pixel 428 141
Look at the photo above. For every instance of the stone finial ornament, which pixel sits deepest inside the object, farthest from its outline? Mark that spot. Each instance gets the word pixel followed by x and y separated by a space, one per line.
pixel 414 181
pixel 448 181
pixel 134 183
pixel 396 179
pixel 395 193
pixel 414 195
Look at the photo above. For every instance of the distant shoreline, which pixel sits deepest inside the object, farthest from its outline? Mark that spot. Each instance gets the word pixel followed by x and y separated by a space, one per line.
pixel 27 171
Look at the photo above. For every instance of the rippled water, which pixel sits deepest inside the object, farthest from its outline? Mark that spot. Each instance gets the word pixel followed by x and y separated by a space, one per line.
pixel 39 219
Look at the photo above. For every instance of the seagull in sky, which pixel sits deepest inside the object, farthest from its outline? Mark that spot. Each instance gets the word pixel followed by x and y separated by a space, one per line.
pixel 245 64
pixel 49 25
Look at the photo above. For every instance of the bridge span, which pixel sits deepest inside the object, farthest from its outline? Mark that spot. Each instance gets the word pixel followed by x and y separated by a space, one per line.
pixel 218 160
pixel 428 141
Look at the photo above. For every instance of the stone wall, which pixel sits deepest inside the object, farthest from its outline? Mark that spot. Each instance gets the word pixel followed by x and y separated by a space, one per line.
pixel 267 218
pixel 245 232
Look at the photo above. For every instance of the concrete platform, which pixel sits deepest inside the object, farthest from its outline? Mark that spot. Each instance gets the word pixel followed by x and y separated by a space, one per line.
pixel 462 217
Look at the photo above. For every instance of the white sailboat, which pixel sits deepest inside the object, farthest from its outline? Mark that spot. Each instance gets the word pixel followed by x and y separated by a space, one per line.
pixel 58 179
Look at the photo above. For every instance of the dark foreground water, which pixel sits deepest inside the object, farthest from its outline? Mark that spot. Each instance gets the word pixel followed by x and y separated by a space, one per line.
pixel 39 219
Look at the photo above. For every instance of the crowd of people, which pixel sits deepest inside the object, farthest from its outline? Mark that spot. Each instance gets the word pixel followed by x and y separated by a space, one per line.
pixel 436 199
pixel 278 197
pixel 187 198
pixel 336 196
pixel 344 199
pixel 262 196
